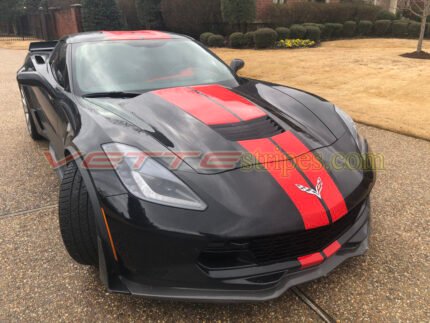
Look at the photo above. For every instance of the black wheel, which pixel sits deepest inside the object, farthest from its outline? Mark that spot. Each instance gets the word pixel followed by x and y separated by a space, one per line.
pixel 76 217
pixel 31 127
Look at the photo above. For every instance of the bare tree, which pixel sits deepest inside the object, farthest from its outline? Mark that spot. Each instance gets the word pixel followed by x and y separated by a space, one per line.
pixel 421 9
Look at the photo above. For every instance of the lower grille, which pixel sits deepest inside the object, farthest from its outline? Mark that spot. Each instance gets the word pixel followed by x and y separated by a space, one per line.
pixel 277 248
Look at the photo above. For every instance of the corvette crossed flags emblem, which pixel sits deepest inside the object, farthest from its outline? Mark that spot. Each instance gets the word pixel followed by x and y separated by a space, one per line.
pixel 317 191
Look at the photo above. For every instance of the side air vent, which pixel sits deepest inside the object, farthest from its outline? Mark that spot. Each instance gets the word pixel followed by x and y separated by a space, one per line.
pixel 246 130
pixel 39 59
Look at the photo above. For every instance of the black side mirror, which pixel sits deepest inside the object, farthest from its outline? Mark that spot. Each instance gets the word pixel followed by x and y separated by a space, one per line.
pixel 237 64
pixel 29 78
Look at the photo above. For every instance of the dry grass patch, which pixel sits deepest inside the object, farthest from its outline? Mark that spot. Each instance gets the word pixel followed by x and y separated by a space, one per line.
pixel 366 77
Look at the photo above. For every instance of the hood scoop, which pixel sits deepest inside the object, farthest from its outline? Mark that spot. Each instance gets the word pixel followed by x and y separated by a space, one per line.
pixel 263 127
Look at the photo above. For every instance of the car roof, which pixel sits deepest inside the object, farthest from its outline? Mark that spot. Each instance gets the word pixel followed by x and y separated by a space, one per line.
pixel 122 35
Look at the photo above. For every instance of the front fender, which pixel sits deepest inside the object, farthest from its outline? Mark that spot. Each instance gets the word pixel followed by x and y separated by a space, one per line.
pixel 109 268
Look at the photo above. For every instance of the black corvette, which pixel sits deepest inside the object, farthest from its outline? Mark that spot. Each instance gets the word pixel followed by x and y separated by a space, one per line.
pixel 180 179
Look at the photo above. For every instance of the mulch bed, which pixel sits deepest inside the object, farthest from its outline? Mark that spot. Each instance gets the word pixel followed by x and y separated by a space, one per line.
pixel 420 55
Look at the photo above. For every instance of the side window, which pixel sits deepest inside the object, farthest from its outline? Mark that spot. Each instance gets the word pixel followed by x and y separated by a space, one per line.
pixel 59 66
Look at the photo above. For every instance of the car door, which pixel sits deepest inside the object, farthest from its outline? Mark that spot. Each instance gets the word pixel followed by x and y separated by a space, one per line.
pixel 45 94
pixel 54 100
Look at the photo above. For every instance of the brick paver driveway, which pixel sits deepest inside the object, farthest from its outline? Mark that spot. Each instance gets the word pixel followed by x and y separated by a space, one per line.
pixel 38 281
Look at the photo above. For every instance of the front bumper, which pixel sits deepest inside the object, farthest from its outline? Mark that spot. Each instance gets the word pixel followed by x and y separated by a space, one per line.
pixel 172 276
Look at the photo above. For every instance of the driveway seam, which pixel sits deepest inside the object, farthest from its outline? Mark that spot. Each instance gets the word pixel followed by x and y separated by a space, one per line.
pixel 24 212
pixel 323 315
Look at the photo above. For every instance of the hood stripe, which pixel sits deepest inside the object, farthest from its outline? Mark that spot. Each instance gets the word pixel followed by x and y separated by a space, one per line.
pixel 313 170
pixel 287 176
pixel 197 105
pixel 136 34
pixel 238 105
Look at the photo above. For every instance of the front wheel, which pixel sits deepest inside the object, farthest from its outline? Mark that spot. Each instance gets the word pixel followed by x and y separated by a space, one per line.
pixel 76 217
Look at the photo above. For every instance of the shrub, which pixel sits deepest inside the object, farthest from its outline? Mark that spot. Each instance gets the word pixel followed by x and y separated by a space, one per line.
pixel 364 27
pixel 283 33
pixel 295 43
pixel 99 15
pixel 297 32
pixel 216 41
pixel 237 40
pixel 414 29
pixel 349 28
pixel 399 28
pixel 265 38
pixel 386 15
pixel 334 29
pixel 313 33
pixel 249 39
pixel 205 37
pixel 427 34
pixel 328 31
pixel 382 27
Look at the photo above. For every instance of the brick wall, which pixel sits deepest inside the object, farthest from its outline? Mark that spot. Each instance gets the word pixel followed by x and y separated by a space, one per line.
pixel 262 6
pixel 67 21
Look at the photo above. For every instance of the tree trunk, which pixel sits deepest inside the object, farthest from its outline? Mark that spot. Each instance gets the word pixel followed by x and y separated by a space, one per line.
pixel 423 29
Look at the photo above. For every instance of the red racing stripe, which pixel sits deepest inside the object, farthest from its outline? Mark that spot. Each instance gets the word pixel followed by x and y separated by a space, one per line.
pixel 137 34
pixel 287 176
pixel 197 105
pixel 313 169
pixel 311 260
pixel 332 249
pixel 244 109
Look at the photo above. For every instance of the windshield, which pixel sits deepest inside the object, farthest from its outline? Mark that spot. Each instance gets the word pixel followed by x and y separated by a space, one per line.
pixel 142 65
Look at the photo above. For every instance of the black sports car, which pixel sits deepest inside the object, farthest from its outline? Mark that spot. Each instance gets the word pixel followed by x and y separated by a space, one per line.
pixel 181 179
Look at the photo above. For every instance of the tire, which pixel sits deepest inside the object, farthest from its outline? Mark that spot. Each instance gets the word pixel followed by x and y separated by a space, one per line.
pixel 76 218
pixel 31 126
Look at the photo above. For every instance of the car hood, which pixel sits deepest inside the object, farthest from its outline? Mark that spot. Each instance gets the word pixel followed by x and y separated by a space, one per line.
pixel 214 129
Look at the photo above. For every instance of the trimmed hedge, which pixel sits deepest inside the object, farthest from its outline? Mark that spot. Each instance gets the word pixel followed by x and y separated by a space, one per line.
pixel 364 27
pixel 249 39
pixel 313 33
pixel 237 40
pixel 327 32
pixel 205 37
pixel 335 28
pixel 382 27
pixel 283 33
pixel 297 32
pixel 349 28
pixel 265 38
pixel 399 28
pixel 414 29
pixel 386 15
pixel 216 41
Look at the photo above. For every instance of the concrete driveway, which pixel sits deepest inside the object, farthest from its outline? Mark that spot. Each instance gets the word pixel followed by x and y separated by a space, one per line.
pixel 39 282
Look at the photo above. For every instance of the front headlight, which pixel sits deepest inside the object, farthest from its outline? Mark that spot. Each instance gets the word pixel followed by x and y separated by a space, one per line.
pixel 352 127
pixel 151 181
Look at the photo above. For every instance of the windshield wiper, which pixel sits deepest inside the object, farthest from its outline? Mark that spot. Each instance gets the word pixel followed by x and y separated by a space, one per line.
pixel 112 94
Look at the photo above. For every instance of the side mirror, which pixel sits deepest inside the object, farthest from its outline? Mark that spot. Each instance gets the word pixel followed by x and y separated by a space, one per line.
pixel 29 78
pixel 237 64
